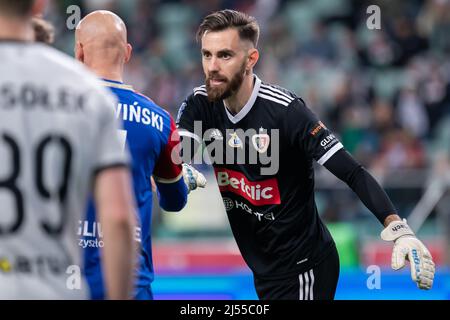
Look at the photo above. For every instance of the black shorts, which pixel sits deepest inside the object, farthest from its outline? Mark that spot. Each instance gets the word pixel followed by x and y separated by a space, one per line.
pixel 318 283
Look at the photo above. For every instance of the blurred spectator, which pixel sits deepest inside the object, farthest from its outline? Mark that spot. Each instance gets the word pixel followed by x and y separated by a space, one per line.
pixel 319 46
pixel 399 149
pixel 434 23
pixel 411 112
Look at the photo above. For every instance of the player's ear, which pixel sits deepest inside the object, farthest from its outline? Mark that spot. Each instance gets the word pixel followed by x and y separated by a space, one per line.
pixel 38 7
pixel 128 52
pixel 79 53
pixel 253 57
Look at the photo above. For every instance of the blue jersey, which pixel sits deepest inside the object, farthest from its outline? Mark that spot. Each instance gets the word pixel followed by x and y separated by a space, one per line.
pixel 151 136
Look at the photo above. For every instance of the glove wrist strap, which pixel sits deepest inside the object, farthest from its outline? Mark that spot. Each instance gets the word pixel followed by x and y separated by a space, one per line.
pixel 395 230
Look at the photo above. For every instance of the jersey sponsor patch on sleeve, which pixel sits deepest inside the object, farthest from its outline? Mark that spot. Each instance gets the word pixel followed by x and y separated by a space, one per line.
pixel 317 128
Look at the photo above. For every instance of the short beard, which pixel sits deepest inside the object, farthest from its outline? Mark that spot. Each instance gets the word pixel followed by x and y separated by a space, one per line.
pixel 216 94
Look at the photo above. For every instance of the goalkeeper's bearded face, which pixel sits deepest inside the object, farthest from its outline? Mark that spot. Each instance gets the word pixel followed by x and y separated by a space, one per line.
pixel 224 60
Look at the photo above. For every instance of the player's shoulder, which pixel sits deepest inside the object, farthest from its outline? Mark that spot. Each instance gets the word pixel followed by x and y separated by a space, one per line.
pixel 198 95
pixel 273 88
pixel 278 96
pixel 200 91
pixel 196 100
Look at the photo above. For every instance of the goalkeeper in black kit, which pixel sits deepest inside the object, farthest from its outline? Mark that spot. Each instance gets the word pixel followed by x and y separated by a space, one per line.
pixel 270 204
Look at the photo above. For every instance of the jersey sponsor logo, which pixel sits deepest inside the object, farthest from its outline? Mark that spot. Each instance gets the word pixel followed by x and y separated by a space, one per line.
pixel 135 113
pixel 317 128
pixel 5 265
pixel 260 216
pixel 328 141
pixel 94 243
pixel 92 235
pixel 228 203
pixel 261 141
pixel 258 193
pixel 33 265
pixel 89 229
pixel 235 141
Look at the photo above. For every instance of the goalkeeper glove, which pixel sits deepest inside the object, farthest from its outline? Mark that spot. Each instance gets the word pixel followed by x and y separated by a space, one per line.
pixel 193 178
pixel 407 246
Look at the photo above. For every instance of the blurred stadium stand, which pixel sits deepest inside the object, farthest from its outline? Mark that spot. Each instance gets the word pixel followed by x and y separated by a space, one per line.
pixel 386 93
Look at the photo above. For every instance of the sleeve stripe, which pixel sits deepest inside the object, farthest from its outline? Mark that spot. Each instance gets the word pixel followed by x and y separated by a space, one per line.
pixel 338 146
pixel 273 89
pixel 184 133
pixel 203 93
pixel 162 180
pixel 276 95
pixel 203 87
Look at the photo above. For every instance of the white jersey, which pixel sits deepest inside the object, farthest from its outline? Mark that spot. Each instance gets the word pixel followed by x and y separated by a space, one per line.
pixel 57 129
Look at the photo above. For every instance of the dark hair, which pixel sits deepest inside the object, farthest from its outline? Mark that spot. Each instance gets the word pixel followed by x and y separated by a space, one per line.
pixel 43 30
pixel 16 7
pixel 246 25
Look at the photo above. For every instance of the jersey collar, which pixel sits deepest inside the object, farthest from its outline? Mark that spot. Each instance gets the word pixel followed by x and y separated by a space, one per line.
pixel 248 106
pixel 116 84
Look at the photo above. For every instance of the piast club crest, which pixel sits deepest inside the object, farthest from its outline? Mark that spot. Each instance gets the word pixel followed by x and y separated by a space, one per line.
pixel 261 141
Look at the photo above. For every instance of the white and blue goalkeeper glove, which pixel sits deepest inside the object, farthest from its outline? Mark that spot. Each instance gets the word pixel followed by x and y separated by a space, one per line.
pixel 193 178
pixel 408 247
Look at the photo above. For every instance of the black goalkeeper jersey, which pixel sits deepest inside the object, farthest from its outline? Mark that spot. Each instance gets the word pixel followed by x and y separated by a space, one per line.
pixel 272 212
